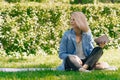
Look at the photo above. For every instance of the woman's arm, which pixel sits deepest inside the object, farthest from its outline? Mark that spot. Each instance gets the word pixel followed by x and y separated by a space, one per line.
pixel 63 47
pixel 88 41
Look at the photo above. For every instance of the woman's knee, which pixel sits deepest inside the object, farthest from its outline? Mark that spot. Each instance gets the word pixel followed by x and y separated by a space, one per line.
pixel 74 59
pixel 70 58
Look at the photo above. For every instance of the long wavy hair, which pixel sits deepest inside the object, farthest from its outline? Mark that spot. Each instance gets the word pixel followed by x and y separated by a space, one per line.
pixel 80 19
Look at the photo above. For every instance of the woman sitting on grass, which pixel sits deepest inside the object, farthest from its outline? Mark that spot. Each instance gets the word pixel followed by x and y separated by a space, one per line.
pixel 76 47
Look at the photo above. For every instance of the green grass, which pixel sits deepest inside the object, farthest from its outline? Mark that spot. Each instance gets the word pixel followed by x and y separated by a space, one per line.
pixel 110 56
pixel 30 61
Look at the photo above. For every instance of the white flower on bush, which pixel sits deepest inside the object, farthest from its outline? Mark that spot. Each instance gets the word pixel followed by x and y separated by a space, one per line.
pixel 40 52
pixel 2 51
pixel 17 55
pixel 14 30
pixel 35 18
pixel 1 20
pixel 54 51
pixel 51 42
pixel 24 54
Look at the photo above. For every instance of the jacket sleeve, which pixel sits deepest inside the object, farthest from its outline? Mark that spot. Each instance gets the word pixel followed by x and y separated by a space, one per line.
pixel 63 53
pixel 91 42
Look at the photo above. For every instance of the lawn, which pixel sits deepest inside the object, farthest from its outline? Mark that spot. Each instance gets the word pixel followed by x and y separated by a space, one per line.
pixel 51 61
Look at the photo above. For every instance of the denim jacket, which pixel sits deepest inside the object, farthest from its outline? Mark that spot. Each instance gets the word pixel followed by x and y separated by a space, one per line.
pixel 68 45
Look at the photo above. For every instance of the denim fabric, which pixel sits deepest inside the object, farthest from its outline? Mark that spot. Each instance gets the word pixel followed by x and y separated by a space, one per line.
pixel 68 45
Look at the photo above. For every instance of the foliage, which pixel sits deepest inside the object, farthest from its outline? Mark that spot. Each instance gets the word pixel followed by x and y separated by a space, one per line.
pixel 108 1
pixel 81 1
pixel 37 28
pixel 64 1
pixel 93 1
pixel 41 1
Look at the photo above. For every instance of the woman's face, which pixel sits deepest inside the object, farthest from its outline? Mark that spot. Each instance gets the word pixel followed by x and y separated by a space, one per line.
pixel 72 22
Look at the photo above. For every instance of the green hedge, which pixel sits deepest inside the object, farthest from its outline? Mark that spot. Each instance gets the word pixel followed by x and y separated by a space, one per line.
pixel 31 28
pixel 40 1
pixel 65 1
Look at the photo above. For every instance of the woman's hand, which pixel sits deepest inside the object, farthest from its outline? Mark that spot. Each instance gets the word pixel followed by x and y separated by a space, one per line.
pixel 102 44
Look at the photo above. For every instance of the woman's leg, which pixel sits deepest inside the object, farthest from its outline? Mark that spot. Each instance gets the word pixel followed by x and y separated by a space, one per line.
pixel 71 63
pixel 93 58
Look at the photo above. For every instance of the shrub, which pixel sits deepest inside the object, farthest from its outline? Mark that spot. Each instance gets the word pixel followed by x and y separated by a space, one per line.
pixel 35 27
pixel 41 1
